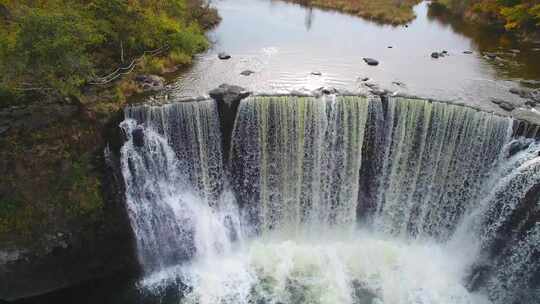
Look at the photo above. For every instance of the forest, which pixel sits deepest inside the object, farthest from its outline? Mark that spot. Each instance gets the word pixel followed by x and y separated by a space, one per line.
pixel 56 48
pixel 521 16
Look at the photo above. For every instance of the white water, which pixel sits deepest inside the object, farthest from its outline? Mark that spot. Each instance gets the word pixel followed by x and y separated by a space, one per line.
pixel 294 235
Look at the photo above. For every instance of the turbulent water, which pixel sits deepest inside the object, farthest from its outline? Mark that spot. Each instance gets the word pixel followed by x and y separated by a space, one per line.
pixel 334 199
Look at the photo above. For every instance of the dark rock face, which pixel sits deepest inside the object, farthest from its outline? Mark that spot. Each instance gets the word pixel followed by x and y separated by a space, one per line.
pixel 224 56
pixel 74 251
pixel 228 99
pixel 150 83
pixel 35 117
pixel 138 137
pixel 371 61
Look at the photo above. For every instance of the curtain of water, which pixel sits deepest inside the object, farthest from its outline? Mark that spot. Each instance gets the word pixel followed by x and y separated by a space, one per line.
pixel 435 161
pixel 172 166
pixel 296 160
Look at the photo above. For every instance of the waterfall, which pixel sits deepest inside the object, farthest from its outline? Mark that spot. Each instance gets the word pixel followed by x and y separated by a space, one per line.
pixel 335 199
pixel 435 159
pixel 173 171
pixel 296 160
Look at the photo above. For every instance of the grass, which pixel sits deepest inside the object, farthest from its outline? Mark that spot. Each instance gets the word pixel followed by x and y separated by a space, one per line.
pixel 384 11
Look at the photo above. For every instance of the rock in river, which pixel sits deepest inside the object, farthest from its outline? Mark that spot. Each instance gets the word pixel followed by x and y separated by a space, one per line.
pixel 503 104
pixel 224 56
pixel 247 72
pixel 371 61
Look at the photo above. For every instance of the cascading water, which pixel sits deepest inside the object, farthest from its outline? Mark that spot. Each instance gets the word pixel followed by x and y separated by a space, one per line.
pixel 335 199
pixel 172 166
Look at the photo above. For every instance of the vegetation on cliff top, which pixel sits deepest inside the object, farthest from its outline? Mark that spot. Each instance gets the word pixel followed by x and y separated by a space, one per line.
pixel 57 47
pixel 384 11
pixel 521 16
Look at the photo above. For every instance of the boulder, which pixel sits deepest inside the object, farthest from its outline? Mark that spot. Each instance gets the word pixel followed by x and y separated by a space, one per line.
pixel 149 83
pixel 490 55
pixel 316 73
pixel 503 104
pixel 371 61
pixel 229 94
pixel 435 55
pixel 467 52
pixel 224 56
pixel 527 93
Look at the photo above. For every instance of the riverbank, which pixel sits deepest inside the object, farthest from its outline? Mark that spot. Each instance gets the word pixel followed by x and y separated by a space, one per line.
pixel 521 18
pixel 383 11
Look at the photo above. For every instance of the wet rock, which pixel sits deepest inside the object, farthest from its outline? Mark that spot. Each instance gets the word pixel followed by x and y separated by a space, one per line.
pixel 531 103
pixel 362 293
pixel 467 52
pixel 518 145
pixel 4 129
pixel 228 98
pixel 435 55
pixel 371 61
pixel 365 79
pixel 229 94
pixel 224 56
pixel 444 52
pixel 527 93
pixel 327 90
pixel 490 56
pixel 390 47
pixel 478 276
pixel 247 73
pixel 138 137
pixel 398 83
pixel 148 83
pixel 503 104
pixel 316 73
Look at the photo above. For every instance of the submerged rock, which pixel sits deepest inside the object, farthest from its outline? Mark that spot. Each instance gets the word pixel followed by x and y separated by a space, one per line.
pixel 316 73
pixel 467 52
pixel 224 56
pixel 503 104
pixel 371 61
pixel 435 55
